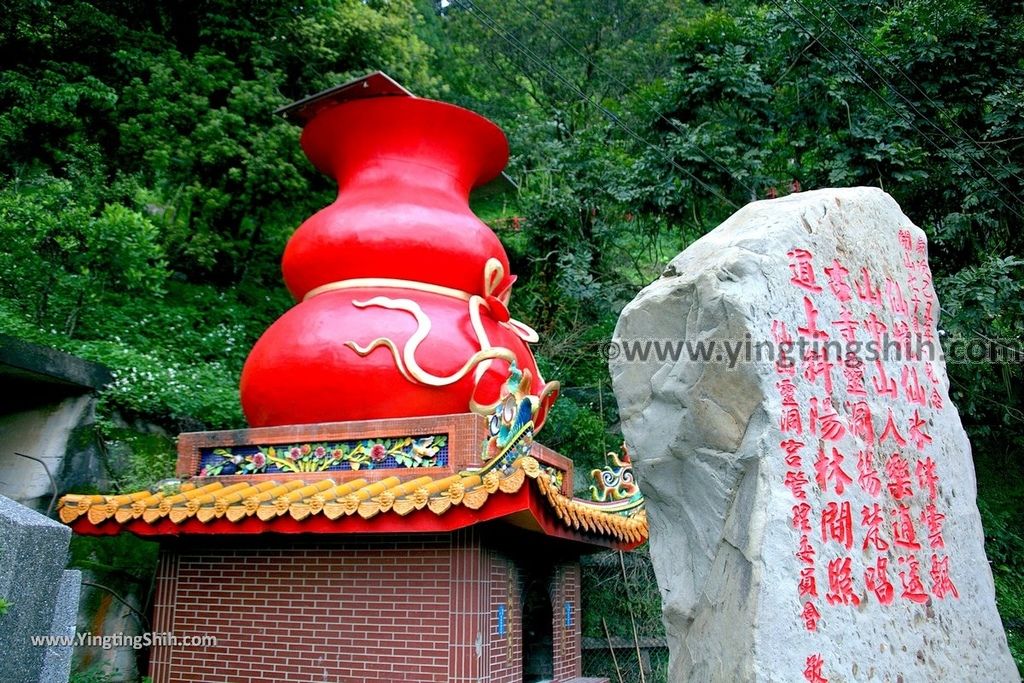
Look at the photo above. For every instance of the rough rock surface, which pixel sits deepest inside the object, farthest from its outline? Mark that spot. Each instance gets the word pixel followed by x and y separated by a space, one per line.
pixel 42 596
pixel 762 476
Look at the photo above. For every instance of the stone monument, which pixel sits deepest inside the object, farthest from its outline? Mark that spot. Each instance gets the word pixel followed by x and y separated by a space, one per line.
pixel 810 486
pixel 42 596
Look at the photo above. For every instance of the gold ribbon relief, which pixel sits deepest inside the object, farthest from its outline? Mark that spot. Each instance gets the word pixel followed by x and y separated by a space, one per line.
pixel 405 358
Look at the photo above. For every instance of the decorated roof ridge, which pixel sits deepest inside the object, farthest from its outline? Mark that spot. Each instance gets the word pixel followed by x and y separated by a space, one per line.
pixel 625 521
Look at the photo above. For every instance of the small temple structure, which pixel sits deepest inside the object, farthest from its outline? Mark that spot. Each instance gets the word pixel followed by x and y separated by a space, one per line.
pixel 388 516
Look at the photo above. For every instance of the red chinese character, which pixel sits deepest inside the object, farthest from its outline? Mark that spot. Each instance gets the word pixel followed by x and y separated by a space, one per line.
pixel 791 446
pixel 912 386
pixel 918 436
pixel 915 318
pixel 847 325
pixel 808 585
pixel 795 481
pixel 893 291
pixel 803 272
pixel 913 589
pixel 903 534
pixel 787 390
pixel 810 616
pixel 784 365
pixel 811 331
pixel 830 468
pixel 932 518
pixel 936 398
pixel 801 517
pixel 837 281
pixel 866 291
pixel 876 327
pixel 877 580
pixel 942 585
pixel 790 421
pixel 825 421
pixel 929 321
pixel 867 475
pixel 860 421
pixel 926 476
pixel 806 552
pixel 898 471
pixel 840 583
pixel 901 333
pixel 794 461
pixel 780 334
pixel 906 240
pixel 926 274
pixel 817 364
pixel 921 246
pixel 837 524
pixel 884 385
pixel 871 518
pixel 891 431
pixel 853 371
pixel 920 274
pixel 813 671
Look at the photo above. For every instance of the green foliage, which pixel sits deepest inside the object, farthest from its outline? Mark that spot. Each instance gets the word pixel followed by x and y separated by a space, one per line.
pixel 94 675
pixel 147 189
pixel 1001 503
pixel 4 606
pixel 137 459
pixel 125 554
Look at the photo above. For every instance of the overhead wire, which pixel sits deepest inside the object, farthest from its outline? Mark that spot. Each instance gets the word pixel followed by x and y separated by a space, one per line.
pixel 907 120
pixel 859 56
pixel 919 89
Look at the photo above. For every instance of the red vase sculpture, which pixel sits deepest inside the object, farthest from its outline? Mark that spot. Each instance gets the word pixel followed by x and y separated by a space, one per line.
pixel 402 291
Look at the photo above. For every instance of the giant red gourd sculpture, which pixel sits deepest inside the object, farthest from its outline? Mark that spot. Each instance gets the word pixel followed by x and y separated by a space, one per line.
pixel 402 291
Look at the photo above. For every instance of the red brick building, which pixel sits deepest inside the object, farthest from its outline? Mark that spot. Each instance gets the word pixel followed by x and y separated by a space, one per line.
pixel 461 573
pixel 353 534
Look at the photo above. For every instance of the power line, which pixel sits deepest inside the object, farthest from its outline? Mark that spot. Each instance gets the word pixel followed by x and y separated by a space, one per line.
pixel 489 23
pixel 917 87
pixel 870 66
pixel 626 86
pixel 858 55
pixel 909 121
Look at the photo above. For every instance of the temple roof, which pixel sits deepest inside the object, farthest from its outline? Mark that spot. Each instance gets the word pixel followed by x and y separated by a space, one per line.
pixel 407 475
pixel 525 493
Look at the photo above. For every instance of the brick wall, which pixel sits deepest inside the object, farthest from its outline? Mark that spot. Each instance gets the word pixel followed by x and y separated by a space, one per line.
pixel 567 641
pixel 414 608
pixel 376 609
pixel 470 583
pixel 506 650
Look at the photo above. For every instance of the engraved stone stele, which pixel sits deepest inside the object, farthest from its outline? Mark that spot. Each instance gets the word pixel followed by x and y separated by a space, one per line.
pixel 813 516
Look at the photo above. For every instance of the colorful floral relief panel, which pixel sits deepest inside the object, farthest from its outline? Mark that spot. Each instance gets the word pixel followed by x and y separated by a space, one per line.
pixel 358 454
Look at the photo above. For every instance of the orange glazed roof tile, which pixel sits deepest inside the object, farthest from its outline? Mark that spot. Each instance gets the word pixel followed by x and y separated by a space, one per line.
pixel 326 506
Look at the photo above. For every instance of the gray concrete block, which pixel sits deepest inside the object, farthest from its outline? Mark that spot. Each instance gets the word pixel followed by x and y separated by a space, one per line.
pixel 33 554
